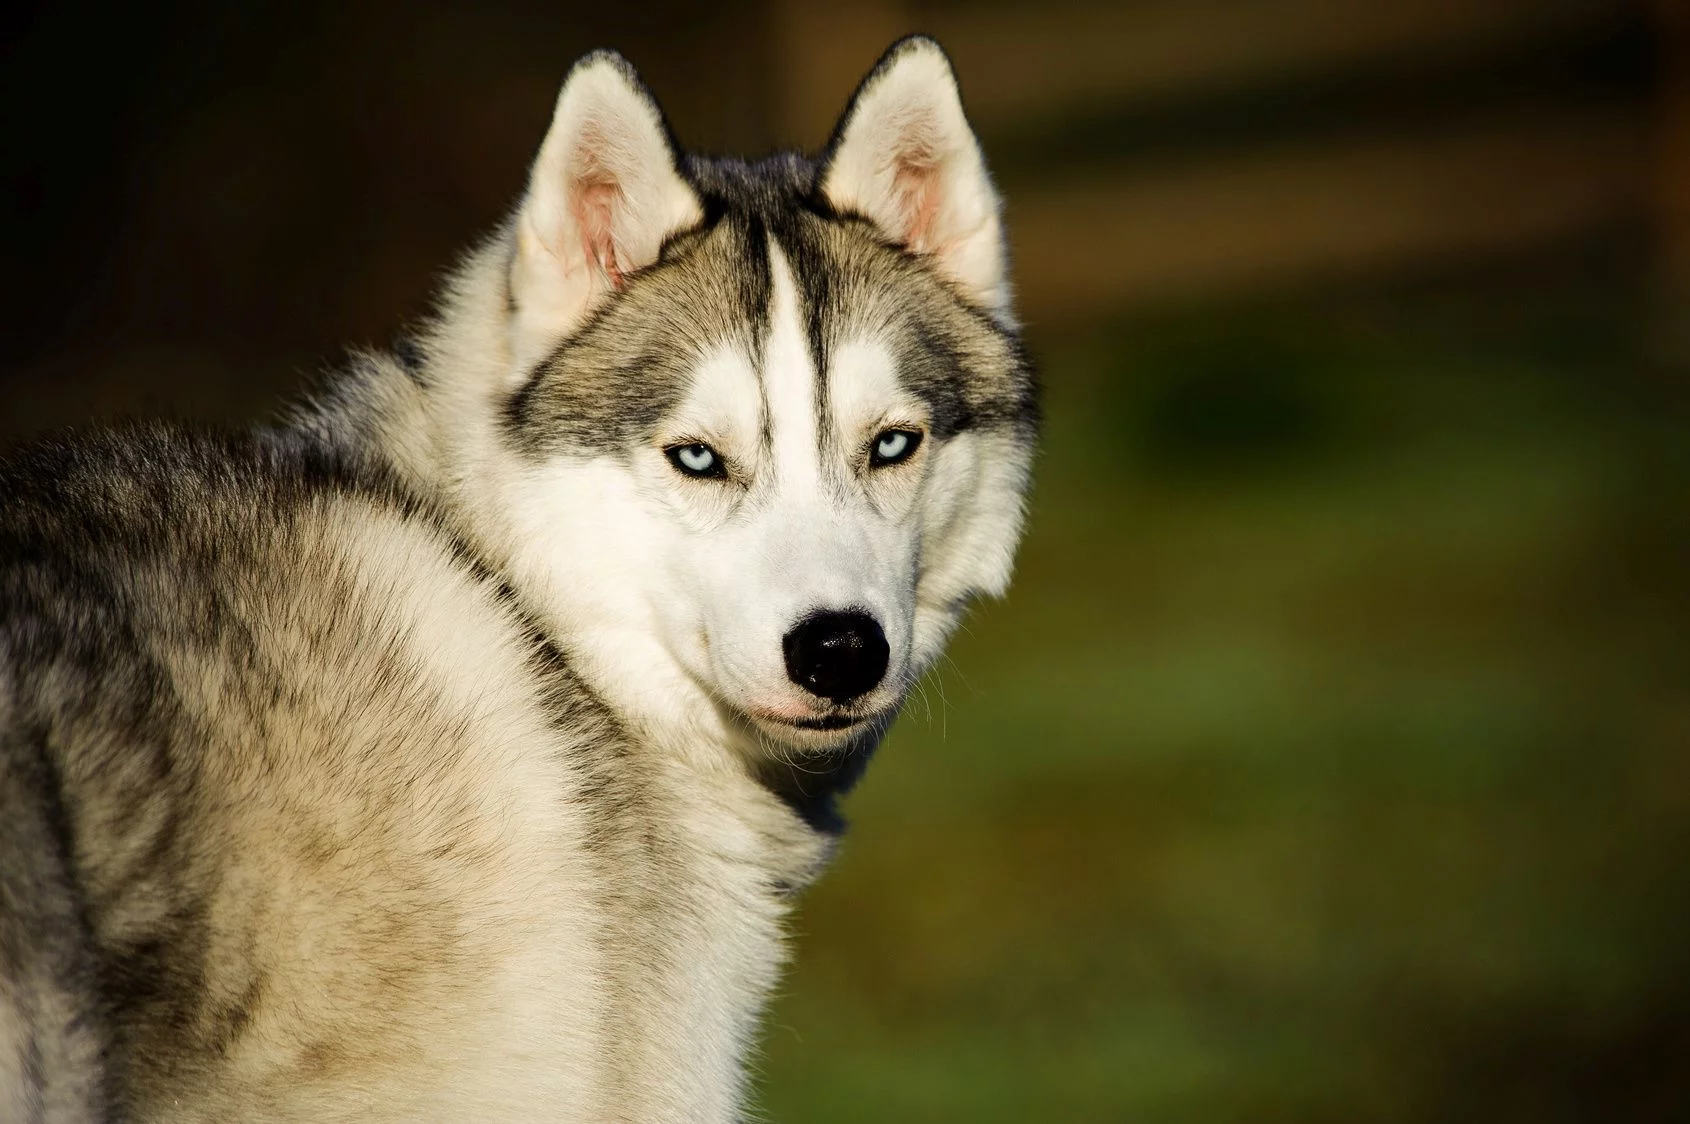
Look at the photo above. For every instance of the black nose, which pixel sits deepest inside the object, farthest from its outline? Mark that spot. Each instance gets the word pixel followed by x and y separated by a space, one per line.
pixel 836 655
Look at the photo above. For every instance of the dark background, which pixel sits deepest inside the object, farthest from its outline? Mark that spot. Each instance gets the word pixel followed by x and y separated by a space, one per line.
pixel 1331 757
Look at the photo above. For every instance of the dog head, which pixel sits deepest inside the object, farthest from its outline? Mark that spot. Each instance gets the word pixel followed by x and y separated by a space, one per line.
pixel 762 429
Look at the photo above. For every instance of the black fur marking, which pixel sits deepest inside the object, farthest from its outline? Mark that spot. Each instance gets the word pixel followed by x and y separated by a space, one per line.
pixel 968 369
pixel 126 558
pixel 47 962
pixel 607 387
pixel 410 355
pixel 813 786
pixel 117 755
pixel 933 370
pixel 611 383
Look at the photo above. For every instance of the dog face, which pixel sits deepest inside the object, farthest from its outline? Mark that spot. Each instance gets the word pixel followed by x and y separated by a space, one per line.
pixel 773 419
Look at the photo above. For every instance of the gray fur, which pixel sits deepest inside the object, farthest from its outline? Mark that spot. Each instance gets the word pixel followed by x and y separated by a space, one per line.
pixel 608 384
pixel 270 851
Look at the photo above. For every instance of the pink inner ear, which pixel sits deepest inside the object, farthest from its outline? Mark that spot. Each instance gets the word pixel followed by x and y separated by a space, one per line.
pixel 594 203
pixel 916 183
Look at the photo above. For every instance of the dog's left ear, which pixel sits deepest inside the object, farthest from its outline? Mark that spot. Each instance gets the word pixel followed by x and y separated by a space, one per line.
pixel 904 157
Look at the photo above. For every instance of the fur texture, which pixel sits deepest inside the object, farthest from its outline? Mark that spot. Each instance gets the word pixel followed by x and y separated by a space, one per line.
pixel 455 750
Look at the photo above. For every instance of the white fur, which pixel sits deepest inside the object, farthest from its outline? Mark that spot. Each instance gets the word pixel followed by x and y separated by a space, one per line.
pixel 602 197
pixel 488 833
pixel 477 797
pixel 674 594
pixel 670 596
pixel 908 160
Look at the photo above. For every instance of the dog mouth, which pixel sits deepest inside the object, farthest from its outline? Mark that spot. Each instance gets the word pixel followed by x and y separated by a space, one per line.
pixel 830 722
pixel 822 724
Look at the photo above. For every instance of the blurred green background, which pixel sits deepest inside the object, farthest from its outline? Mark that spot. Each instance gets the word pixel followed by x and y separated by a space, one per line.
pixel 1330 758
pixel 1327 761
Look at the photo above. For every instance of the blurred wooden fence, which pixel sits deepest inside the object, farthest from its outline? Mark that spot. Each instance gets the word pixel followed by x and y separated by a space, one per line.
pixel 1504 173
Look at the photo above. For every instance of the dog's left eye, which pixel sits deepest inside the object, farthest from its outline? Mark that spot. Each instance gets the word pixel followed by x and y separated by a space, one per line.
pixel 697 459
pixel 894 446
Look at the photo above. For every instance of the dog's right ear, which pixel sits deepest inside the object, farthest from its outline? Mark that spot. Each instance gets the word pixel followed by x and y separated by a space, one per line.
pixel 603 195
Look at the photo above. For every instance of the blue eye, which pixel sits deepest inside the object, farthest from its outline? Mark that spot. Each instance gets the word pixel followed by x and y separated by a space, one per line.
pixel 697 459
pixel 893 447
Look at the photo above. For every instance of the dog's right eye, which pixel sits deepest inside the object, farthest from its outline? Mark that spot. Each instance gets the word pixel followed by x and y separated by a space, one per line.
pixel 697 459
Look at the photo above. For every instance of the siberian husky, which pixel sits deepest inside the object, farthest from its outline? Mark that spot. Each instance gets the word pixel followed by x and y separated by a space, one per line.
pixel 455 749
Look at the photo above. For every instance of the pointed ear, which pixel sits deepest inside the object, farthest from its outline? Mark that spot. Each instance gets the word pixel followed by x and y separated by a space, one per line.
pixel 603 195
pixel 904 157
